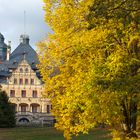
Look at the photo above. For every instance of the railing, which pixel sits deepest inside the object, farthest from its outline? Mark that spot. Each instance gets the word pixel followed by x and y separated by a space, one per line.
pixel 29 99
pixel 33 113
pixel 24 113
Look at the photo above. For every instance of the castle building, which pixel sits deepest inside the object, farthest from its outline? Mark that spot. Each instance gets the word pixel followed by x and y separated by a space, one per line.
pixel 20 78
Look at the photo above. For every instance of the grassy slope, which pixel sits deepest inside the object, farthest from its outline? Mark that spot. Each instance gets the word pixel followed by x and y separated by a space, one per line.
pixel 48 134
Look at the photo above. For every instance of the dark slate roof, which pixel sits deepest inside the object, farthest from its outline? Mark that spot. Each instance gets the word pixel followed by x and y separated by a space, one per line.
pixel 23 51
pixel 1 36
pixel 3 45
pixel 5 73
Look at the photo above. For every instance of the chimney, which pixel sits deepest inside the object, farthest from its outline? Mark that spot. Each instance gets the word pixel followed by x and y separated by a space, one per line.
pixel 8 50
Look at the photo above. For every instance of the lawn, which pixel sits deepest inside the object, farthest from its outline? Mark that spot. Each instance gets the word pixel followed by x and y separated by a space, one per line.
pixel 48 134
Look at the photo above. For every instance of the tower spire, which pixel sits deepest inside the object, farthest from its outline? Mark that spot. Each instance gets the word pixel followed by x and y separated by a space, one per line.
pixel 24 22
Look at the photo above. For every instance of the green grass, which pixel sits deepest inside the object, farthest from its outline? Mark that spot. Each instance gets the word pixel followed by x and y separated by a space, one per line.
pixel 48 134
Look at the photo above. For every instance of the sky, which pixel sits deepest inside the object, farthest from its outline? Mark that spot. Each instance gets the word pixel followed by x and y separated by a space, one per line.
pixel 12 21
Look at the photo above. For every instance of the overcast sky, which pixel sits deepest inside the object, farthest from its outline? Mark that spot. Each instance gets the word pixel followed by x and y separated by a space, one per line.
pixel 12 21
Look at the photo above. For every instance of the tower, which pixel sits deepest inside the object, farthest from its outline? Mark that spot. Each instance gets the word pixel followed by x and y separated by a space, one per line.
pixel 3 49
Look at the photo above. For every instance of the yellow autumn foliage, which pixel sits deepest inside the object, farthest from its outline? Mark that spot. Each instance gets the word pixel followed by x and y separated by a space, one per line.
pixel 90 63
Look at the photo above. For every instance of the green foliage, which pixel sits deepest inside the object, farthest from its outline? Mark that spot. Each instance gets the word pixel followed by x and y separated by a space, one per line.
pixel 7 113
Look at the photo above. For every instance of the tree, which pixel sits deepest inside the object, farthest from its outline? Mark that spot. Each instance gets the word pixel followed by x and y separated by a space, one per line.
pixel 96 46
pixel 7 113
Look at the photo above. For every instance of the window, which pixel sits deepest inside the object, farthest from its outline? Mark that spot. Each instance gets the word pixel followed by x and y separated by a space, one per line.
pixel 12 93
pixel 21 81
pixel 15 81
pixel 26 70
pixel 34 93
pixel 26 81
pixel 23 108
pixel 32 81
pixel 48 109
pixel 34 109
pixel 21 70
pixel 23 93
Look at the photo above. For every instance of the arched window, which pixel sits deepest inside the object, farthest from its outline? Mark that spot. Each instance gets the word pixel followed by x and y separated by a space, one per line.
pixel 26 70
pixel 21 70
pixel 24 120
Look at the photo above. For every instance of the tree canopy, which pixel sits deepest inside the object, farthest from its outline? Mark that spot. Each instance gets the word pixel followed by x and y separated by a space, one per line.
pixel 7 113
pixel 91 64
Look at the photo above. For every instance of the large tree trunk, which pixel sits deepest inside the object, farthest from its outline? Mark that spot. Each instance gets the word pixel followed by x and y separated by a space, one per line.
pixel 130 119
pixel 134 116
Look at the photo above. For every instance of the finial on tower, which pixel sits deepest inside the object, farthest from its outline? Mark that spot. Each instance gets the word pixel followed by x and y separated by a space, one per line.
pixel 24 22
pixel 24 38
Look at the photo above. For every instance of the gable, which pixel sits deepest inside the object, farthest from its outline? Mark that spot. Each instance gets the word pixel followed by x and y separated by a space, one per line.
pixel 24 71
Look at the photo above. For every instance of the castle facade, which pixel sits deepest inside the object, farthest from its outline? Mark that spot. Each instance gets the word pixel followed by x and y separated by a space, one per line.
pixel 20 78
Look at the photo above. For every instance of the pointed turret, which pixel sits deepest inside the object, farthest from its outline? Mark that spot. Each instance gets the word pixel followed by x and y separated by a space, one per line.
pixel 3 49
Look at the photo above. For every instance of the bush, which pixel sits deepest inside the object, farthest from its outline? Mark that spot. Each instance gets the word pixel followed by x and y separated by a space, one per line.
pixel 7 113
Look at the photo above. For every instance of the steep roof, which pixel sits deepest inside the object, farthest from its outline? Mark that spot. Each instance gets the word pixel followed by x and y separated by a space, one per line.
pixel 23 51
pixel 3 48
pixel 1 37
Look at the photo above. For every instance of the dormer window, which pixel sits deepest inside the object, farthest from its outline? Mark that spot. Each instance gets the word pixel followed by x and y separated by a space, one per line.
pixel 15 62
